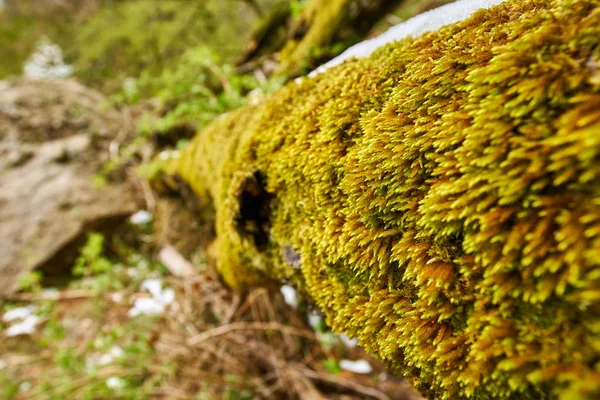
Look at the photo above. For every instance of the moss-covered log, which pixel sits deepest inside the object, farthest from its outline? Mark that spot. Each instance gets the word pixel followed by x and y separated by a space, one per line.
pixel 439 200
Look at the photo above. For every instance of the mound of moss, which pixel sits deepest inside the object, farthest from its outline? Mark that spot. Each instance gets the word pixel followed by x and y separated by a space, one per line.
pixel 439 200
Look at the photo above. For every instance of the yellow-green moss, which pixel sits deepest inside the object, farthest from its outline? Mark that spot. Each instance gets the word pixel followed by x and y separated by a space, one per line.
pixel 444 198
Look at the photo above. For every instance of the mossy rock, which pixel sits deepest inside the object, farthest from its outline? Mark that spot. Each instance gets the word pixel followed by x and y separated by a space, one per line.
pixel 442 196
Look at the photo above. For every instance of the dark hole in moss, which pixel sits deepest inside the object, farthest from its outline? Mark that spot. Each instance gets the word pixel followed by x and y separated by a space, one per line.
pixel 255 209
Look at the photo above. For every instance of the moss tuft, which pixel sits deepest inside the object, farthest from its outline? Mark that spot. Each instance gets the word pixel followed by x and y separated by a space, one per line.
pixel 443 197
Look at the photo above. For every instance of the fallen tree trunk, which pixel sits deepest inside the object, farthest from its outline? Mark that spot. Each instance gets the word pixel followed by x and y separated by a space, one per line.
pixel 304 41
pixel 325 22
pixel 438 200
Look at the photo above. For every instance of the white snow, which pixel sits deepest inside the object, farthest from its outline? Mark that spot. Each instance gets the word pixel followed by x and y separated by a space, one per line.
pixel 22 319
pixel 348 341
pixel 25 327
pixel 115 383
pixel 103 359
pixel 154 305
pixel 426 22
pixel 289 295
pixel 47 62
pixel 114 353
pixel 358 366
pixel 154 286
pixel 315 321
pixel 146 306
pixel 141 217
pixel 19 313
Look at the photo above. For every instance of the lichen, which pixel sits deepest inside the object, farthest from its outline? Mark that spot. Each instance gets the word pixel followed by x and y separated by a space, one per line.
pixel 442 195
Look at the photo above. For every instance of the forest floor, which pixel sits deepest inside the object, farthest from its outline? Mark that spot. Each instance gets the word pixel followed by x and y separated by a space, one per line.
pixel 136 331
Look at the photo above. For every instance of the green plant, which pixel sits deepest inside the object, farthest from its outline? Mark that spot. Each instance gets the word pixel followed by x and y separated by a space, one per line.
pixel 53 331
pixel 30 281
pixel 9 386
pixel 332 365
pixel 91 260
pixel 196 90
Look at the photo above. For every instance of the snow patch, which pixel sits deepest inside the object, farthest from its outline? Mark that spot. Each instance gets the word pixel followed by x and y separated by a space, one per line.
pixel 103 359
pixel 113 354
pixel 25 327
pixel 47 62
pixel 115 383
pixel 358 366
pixel 141 217
pixel 315 321
pixel 19 313
pixel 289 295
pixel 22 319
pixel 154 305
pixel 348 341
pixel 426 22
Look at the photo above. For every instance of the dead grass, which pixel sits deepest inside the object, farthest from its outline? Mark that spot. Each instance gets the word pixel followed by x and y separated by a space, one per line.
pixel 211 343
pixel 254 343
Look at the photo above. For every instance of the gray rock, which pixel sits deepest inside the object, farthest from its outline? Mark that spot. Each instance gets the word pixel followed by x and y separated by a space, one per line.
pixel 54 138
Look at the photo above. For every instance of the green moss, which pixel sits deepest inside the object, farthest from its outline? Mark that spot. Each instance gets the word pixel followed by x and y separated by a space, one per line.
pixel 444 198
